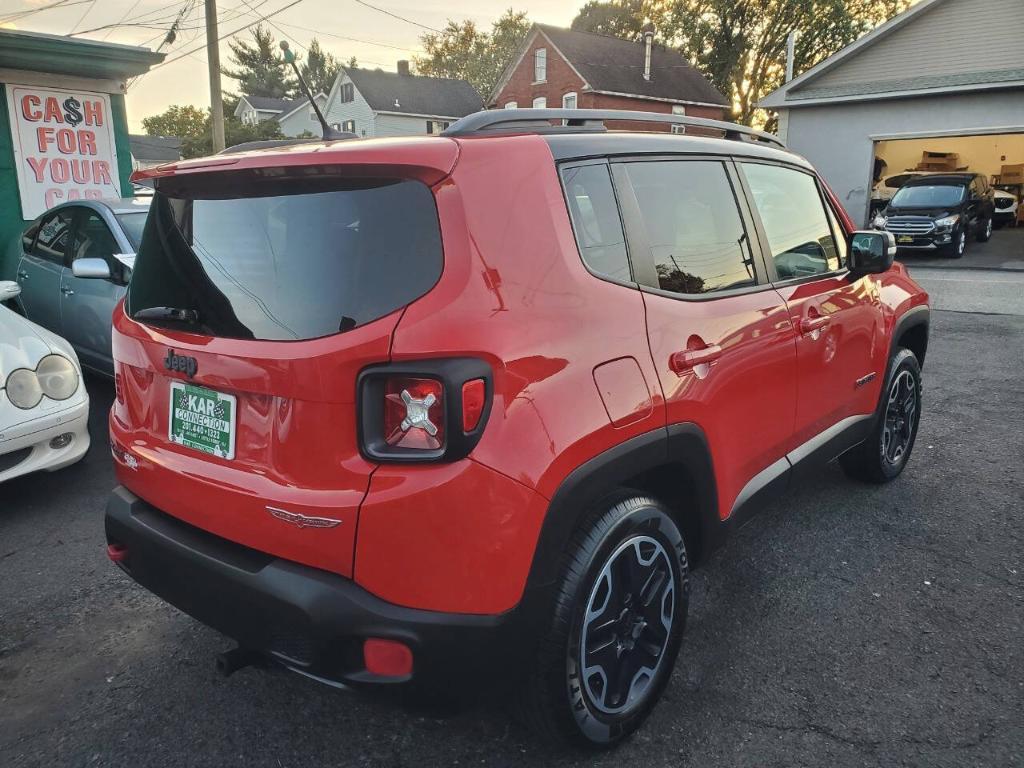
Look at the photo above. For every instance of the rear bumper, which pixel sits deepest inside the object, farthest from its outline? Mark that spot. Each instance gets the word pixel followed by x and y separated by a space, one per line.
pixel 308 620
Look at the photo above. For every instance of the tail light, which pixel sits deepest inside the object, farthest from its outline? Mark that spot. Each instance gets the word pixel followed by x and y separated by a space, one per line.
pixel 430 410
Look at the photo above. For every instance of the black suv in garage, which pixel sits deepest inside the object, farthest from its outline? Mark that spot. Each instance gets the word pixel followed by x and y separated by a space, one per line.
pixel 938 213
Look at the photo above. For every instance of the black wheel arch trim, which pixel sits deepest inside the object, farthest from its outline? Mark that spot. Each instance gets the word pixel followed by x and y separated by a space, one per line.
pixel 684 445
pixel 915 317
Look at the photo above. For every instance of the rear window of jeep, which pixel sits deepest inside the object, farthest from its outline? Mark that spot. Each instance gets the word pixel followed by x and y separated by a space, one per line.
pixel 244 256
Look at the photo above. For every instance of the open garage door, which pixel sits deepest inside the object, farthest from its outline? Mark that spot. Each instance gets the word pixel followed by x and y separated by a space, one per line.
pixel 897 159
pixel 998 154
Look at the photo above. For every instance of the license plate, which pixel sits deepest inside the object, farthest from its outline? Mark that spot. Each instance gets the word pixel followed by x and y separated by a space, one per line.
pixel 202 419
pixel 905 239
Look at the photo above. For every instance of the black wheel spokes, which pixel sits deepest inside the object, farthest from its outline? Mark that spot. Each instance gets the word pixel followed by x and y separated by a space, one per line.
pixel 900 417
pixel 627 624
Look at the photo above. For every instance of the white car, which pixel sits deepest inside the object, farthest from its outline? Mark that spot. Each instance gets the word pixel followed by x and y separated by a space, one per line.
pixel 890 185
pixel 44 408
pixel 1006 207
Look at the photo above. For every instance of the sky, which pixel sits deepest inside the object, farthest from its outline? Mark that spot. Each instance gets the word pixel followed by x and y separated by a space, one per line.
pixel 344 27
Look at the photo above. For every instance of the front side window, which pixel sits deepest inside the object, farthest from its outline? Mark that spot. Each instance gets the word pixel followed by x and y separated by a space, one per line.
pixel 52 240
pixel 595 220
pixel 93 239
pixel 693 226
pixel 253 256
pixel 540 65
pixel 795 222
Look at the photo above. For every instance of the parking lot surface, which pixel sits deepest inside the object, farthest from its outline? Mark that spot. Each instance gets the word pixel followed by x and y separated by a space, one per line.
pixel 847 625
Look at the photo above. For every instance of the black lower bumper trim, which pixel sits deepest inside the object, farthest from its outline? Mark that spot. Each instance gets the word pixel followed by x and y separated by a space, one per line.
pixel 304 618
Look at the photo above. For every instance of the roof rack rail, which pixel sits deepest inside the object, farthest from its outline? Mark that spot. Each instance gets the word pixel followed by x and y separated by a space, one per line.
pixel 586 120
pixel 248 146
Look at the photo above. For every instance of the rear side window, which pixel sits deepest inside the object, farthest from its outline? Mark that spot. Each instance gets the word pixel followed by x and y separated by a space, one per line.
pixel 257 258
pixel 693 226
pixel 595 219
pixel 793 215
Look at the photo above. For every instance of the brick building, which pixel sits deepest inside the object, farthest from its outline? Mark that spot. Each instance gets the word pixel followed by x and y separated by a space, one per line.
pixel 562 68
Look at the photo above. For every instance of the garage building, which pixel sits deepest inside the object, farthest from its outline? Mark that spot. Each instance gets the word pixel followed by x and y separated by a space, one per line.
pixel 945 77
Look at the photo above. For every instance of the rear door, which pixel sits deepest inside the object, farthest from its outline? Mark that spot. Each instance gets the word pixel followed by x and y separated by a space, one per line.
pixel 87 304
pixel 39 271
pixel 840 349
pixel 720 337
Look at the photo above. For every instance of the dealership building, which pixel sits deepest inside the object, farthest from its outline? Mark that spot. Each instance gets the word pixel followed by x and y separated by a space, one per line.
pixel 63 126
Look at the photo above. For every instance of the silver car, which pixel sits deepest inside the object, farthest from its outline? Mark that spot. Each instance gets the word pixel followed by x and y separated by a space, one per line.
pixel 73 265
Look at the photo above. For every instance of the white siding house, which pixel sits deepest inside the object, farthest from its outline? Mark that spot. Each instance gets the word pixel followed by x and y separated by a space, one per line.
pixel 377 103
pixel 302 119
pixel 942 69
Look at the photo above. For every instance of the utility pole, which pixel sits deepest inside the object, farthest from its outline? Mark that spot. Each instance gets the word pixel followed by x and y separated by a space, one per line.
pixel 213 59
pixel 790 54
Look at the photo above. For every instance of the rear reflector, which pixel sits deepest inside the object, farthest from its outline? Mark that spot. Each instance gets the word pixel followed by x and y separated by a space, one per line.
pixel 387 658
pixel 117 553
pixel 473 397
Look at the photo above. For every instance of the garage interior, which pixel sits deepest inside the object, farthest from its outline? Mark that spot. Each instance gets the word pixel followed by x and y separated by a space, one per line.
pixel 1000 156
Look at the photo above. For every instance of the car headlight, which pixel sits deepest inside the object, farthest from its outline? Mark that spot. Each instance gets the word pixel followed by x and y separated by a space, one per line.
pixel 23 389
pixel 948 222
pixel 57 377
pixel 879 222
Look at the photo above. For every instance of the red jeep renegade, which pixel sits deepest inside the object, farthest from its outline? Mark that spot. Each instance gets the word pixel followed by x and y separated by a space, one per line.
pixel 442 410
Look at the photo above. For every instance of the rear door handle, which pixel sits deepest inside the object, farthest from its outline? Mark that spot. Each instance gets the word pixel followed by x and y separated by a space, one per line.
pixel 22 274
pixel 812 324
pixel 67 291
pixel 680 362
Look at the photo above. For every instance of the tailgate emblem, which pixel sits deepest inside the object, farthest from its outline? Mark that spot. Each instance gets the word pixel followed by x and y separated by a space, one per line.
pixel 184 363
pixel 303 521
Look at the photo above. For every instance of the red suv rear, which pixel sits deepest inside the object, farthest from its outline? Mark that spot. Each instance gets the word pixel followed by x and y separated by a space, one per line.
pixel 441 410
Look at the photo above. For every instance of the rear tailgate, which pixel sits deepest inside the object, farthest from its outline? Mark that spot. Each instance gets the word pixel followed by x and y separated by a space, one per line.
pixel 263 285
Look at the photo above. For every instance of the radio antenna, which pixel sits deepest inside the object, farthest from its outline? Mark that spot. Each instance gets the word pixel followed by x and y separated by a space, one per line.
pixel 330 134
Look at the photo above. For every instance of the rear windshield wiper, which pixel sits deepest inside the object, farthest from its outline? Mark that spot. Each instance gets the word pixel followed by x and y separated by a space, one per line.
pixel 171 314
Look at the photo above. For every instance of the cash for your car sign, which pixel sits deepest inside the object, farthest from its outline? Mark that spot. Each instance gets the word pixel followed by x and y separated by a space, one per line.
pixel 64 146
pixel 202 419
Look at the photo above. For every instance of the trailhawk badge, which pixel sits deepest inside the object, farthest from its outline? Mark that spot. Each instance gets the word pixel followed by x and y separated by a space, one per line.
pixel 303 521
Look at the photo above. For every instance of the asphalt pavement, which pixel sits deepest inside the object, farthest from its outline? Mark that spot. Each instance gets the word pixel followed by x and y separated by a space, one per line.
pixel 847 625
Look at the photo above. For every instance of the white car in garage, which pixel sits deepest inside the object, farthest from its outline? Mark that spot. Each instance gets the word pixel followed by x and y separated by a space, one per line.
pixel 44 408
pixel 1006 207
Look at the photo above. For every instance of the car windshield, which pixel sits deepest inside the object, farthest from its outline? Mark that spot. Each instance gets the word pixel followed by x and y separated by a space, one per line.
pixel 133 224
pixel 251 257
pixel 928 196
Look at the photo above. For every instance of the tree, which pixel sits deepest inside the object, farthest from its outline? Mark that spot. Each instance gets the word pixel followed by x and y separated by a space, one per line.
pixel 741 46
pixel 185 122
pixel 259 67
pixel 235 132
pixel 463 52
pixel 320 69
pixel 624 19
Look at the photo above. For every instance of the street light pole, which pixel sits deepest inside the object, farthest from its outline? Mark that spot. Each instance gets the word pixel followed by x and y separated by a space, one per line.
pixel 213 58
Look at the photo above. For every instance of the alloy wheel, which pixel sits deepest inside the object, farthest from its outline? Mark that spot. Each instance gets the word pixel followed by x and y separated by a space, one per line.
pixel 961 242
pixel 901 412
pixel 627 625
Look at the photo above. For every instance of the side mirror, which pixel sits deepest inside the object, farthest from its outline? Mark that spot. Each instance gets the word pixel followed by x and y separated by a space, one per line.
pixel 9 290
pixel 92 268
pixel 871 252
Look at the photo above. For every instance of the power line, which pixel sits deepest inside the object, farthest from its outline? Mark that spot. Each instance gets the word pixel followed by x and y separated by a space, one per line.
pixel 82 17
pixel 396 16
pixel 125 16
pixel 350 39
pixel 228 34
pixel 23 14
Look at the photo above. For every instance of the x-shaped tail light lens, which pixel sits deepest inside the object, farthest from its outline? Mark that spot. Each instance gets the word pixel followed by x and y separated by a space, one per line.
pixel 414 413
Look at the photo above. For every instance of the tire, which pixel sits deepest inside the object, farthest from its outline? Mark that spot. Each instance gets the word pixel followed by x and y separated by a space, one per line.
pixel 985 233
pixel 628 540
pixel 955 250
pixel 884 454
